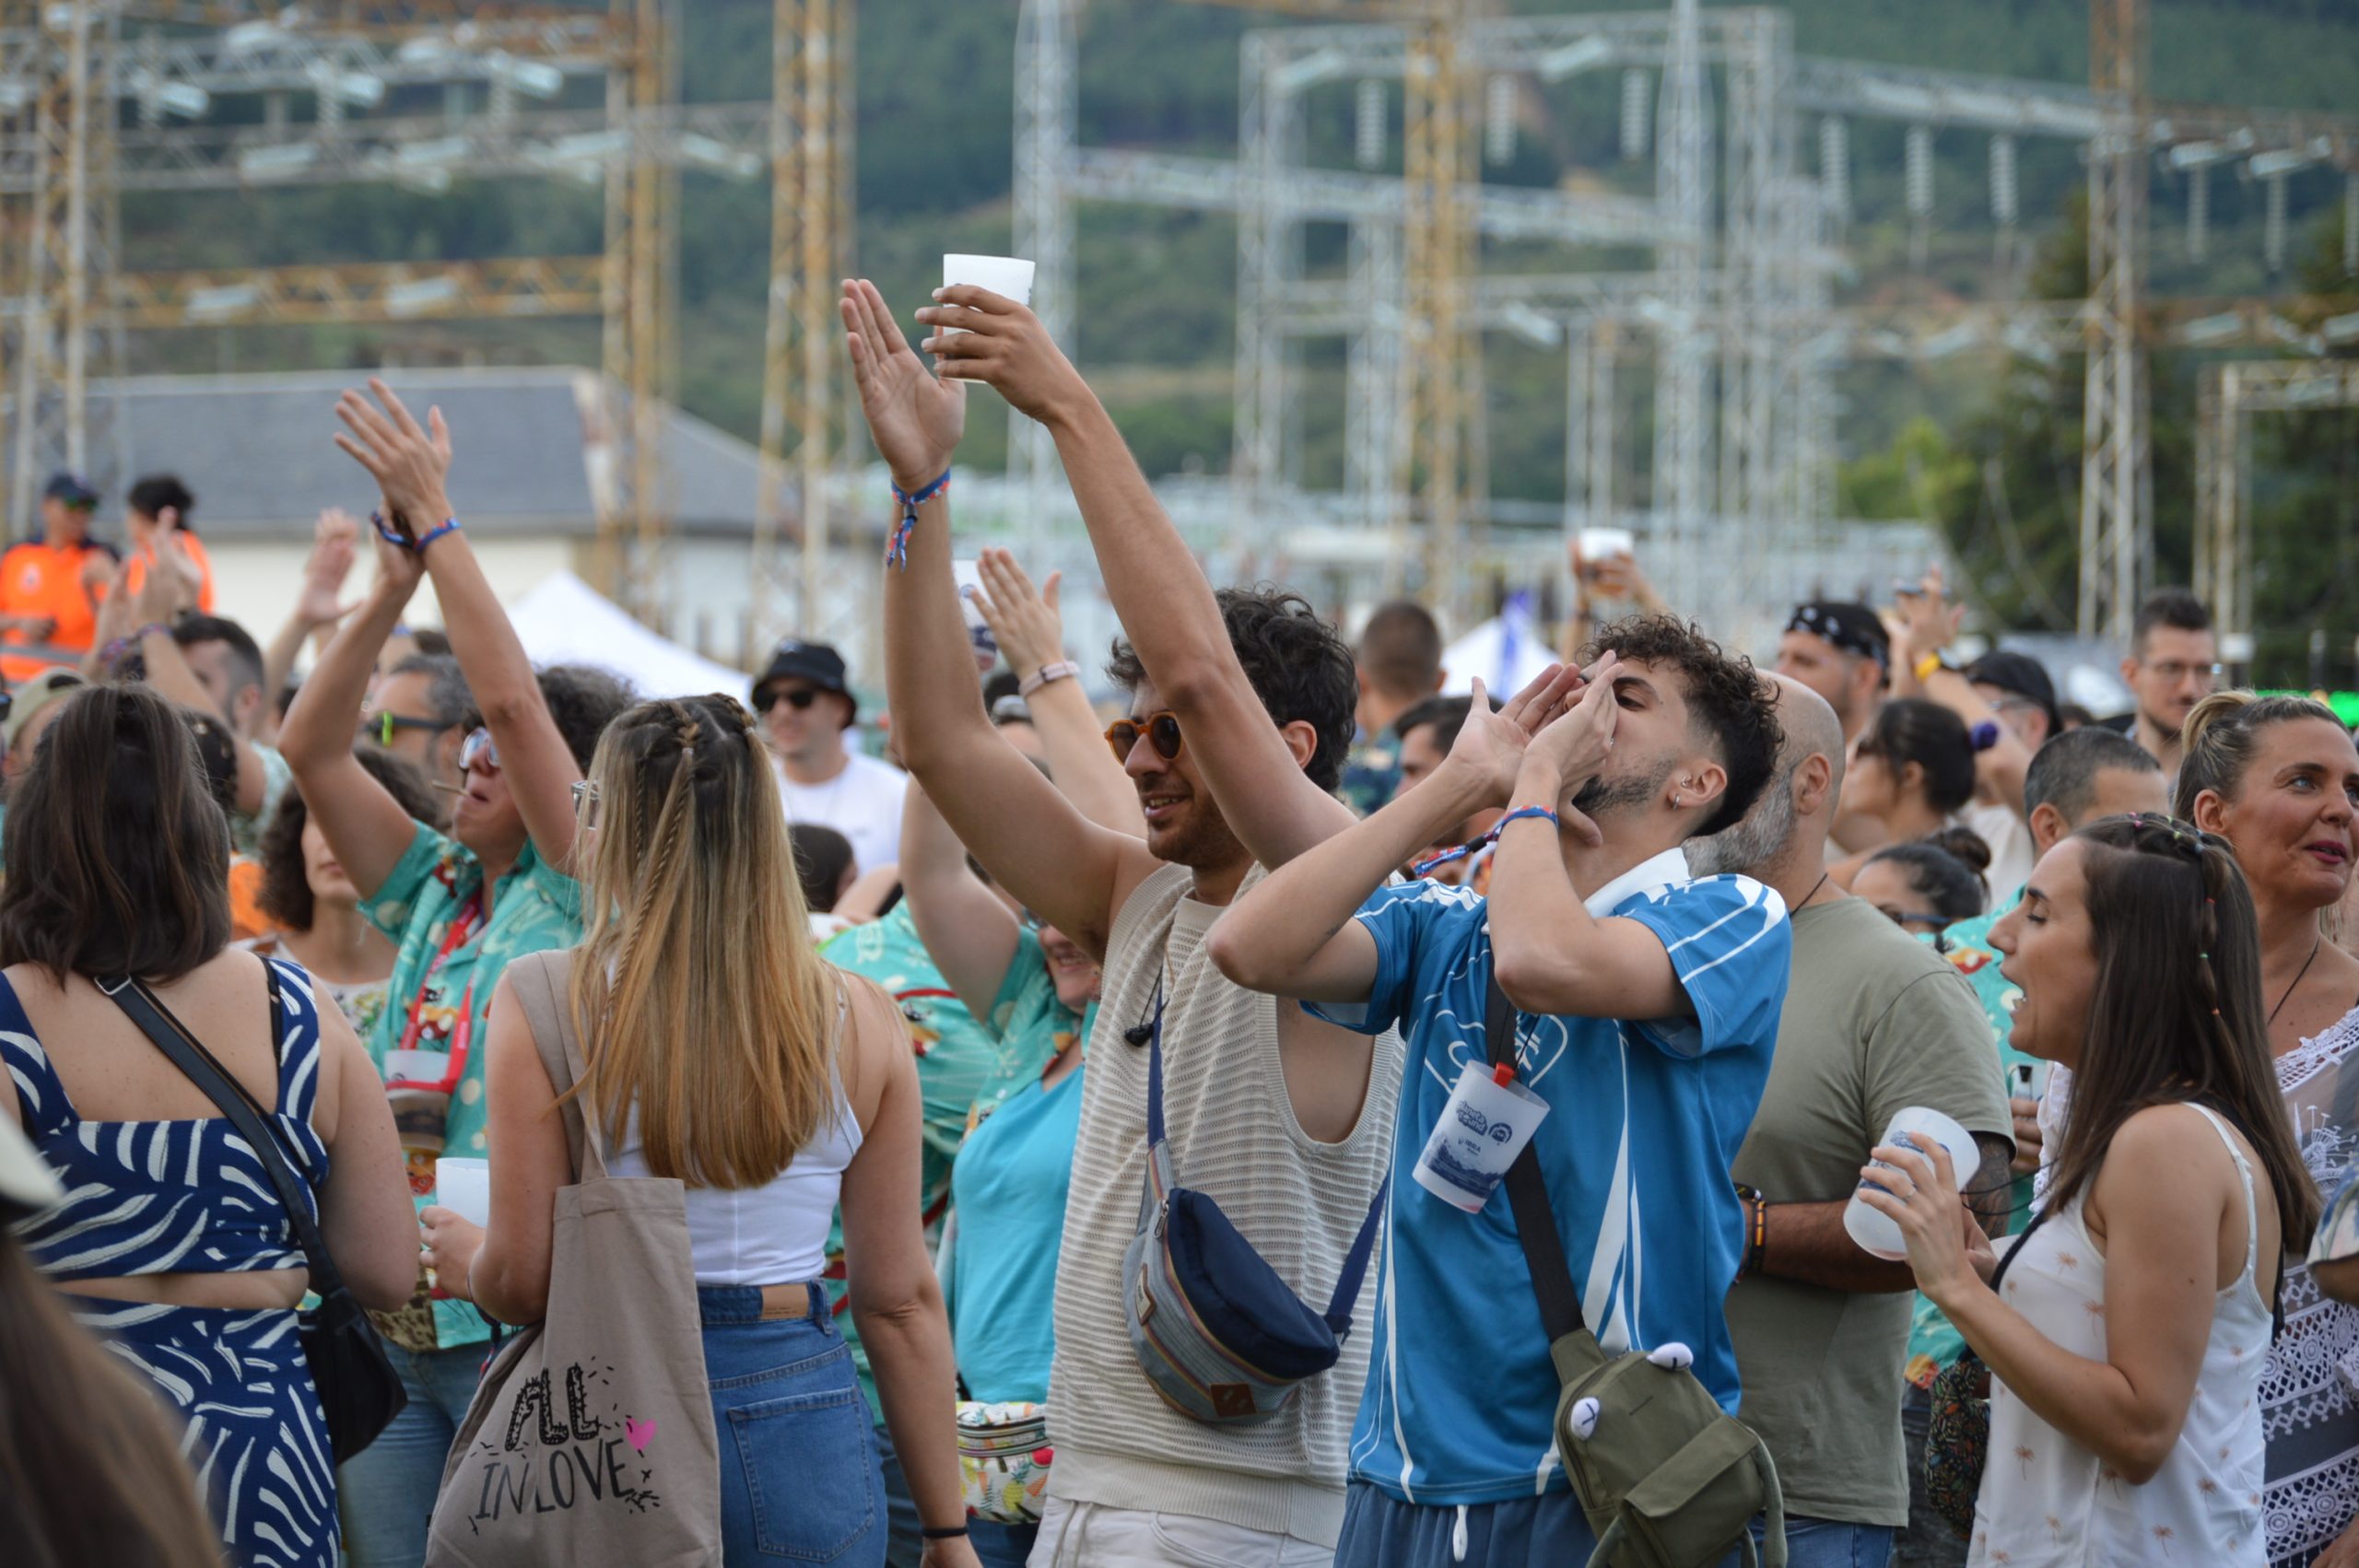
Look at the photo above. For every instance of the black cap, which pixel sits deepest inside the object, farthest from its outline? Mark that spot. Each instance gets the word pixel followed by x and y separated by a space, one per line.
pixel 814 661
pixel 2022 675
pixel 72 489
pixel 1854 628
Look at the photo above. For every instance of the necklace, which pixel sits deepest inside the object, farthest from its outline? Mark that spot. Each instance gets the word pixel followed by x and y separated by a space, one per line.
pixel 2315 944
pixel 1814 889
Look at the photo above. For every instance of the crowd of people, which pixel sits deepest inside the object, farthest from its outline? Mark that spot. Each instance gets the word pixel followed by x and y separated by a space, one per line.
pixel 1227 1134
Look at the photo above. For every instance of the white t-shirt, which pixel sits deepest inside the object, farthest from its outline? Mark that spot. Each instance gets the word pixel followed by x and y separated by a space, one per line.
pixel 2013 853
pixel 863 803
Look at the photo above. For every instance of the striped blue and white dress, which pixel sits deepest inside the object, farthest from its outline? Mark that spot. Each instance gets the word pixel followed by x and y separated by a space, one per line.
pixel 192 1196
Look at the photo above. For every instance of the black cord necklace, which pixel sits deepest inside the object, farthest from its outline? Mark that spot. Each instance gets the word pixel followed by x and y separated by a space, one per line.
pixel 2315 943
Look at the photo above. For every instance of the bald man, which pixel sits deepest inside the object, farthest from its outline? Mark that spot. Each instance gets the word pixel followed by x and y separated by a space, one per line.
pixel 1875 1022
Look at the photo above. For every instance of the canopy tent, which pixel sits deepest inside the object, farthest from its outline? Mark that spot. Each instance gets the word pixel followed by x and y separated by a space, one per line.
pixel 1507 653
pixel 564 621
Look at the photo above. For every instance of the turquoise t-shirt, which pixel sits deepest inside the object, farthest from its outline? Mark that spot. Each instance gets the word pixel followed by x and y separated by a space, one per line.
pixel 535 907
pixel 960 1064
pixel 1932 1343
pixel 1008 1192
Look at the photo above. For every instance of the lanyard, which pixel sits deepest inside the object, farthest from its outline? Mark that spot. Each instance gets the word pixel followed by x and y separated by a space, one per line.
pixel 462 929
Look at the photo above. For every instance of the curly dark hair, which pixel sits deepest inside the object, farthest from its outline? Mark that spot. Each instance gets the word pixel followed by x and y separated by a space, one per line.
pixel 285 893
pixel 1728 705
pixel 583 698
pixel 1299 666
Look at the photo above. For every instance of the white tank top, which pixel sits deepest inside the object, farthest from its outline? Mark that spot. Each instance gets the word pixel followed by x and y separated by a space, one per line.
pixel 2049 1503
pixel 775 1233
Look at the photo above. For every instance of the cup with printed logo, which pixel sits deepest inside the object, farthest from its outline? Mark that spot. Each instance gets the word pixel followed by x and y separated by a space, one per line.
pixel 1485 1124
pixel 970 579
pixel 417 1083
pixel 1918 1128
pixel 1008 276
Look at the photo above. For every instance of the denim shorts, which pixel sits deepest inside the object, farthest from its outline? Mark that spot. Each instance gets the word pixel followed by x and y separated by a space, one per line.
pixel 800 1480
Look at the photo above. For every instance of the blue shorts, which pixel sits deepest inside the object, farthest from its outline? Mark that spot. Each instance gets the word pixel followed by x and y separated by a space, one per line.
pixel 1382 1531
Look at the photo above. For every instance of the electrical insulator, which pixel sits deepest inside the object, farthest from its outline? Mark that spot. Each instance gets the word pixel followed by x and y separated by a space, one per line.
pixel 2002 181
pixel 1367 125
pixel 1919 170
pixel 1498 120
pixel 2199 212
pixel 2273 235
pixel 1635 86
pixel 1834 163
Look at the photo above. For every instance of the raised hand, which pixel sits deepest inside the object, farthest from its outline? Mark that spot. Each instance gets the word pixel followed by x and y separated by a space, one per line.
pixel 1929 622
pixel 1490 746
pixel 1573 748
pixel 409 462
pixel 334 545
pixel 399 568
pixel 171 584
pixel 915 418
pixel 1026 622
pixel 1003 345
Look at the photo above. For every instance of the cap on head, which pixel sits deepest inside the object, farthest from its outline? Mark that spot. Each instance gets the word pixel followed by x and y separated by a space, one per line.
pixel 816 663
pixel 30 696
pixel 1853 629
pixel 2021 675
pixel 71 489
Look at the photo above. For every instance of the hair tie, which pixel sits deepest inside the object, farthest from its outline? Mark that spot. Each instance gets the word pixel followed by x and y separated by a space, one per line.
pixel 1984 735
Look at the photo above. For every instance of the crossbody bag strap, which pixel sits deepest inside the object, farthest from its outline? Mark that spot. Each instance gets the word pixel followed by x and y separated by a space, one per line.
pixel 185 1051
pixel 1535 1223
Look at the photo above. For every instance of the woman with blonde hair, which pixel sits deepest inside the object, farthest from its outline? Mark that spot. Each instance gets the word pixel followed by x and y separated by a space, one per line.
pixel 719 1049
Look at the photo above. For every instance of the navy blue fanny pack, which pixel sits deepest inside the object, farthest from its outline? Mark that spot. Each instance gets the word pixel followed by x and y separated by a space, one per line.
pixel 1222 1339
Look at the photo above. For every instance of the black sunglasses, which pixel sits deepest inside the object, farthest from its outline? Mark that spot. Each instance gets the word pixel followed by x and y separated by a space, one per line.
pixel 798 698
pixel 1162 731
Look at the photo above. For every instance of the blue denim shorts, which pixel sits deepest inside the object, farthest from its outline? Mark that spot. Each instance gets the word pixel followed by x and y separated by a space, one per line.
pixel 800 1480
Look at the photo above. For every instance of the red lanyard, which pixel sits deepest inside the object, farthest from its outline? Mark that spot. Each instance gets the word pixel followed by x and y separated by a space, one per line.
pixel 462 929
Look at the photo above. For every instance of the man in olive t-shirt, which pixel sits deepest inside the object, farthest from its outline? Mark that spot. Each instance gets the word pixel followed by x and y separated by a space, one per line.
pixel 1873 1021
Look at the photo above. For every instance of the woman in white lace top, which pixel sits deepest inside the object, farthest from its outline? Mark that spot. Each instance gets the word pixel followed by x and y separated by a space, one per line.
pixel 2279 778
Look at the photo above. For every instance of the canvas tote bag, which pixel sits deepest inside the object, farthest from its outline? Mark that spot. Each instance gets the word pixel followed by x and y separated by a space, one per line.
pixel 591 1437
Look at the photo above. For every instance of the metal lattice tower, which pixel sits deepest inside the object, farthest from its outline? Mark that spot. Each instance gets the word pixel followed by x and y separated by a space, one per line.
pixel 1047 117
pixel 2226 394
pixel 1684 190
pixel 2117 476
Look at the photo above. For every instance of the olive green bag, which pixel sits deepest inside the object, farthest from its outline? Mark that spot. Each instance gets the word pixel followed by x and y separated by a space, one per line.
pixel 1667 1477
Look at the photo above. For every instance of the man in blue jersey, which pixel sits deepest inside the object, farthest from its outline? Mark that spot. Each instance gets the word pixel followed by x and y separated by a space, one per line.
pixel 1646 1003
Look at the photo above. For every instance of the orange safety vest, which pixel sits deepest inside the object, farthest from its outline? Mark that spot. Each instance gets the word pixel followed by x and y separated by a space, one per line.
pixel 43 580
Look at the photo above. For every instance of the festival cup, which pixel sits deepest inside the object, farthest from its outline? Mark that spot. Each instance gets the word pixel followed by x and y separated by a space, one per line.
pixel 421 1104
pixel 1009 277
pixel 464 1186
pixel 1600 545
pixel 1484 1126
pixel 1916 1127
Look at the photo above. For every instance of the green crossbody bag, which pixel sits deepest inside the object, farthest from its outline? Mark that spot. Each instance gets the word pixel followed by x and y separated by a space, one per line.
pixel 1667 1477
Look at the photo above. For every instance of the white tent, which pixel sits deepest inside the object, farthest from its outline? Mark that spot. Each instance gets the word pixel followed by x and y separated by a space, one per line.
pixel 1505 653
pixel 564 621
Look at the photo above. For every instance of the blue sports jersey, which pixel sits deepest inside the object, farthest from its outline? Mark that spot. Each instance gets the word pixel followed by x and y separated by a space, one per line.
pixel 1644 1120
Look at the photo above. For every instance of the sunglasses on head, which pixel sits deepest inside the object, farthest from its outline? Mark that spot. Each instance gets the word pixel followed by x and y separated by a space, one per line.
pixel 585 804
pixel 478 752
pixel 801 697
pixel 385 726
pixel 1162 731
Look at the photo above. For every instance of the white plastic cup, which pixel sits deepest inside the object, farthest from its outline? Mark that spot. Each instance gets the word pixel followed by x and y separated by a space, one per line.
pixel 1482 1129
pixel 464 1186
pixel 970 579
pixel 1606 544
pixel 415 1067
pixel 1008 276
pixel 1918 1128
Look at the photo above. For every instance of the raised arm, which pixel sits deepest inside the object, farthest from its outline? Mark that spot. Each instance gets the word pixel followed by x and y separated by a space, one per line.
pixel 335 541
pixel 410 464
pixel 1074 873
pixel 967 931
pixel 1032 635
pixel 164 594
pixel 1293 935
pixel 1929 622
pixel 361 821
pixel 1165 605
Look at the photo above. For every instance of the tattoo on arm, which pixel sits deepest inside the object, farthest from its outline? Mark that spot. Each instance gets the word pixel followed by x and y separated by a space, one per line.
pixel 1989 1194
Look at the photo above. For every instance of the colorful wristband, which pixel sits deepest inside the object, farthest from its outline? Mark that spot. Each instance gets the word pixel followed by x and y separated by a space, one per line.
pixel 449 525
pixel 896 553
pixel 1926 666
pixel 1427 864
pixel 1064 669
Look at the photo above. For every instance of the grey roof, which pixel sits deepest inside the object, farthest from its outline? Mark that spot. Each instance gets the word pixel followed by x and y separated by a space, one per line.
pixel 258 453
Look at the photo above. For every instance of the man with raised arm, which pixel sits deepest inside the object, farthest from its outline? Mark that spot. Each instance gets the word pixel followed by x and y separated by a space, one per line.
pixel 1644 1005
pixel 1241 712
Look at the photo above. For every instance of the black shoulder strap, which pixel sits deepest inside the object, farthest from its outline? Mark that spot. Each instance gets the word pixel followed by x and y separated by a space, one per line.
pixel 1535 1223
pixel 184 1050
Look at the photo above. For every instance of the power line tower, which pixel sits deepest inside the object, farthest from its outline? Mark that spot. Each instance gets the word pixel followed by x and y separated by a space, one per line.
pixel 2117 468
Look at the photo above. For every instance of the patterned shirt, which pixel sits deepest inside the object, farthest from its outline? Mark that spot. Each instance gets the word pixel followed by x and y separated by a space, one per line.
pixel 1371 773
pixel 534 908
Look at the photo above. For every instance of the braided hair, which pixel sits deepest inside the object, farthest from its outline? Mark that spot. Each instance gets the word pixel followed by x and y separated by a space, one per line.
pixel 699 1001
pixel 2176 1016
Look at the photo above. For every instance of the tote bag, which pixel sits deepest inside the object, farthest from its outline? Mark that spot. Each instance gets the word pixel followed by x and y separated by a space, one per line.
pixel 591 1437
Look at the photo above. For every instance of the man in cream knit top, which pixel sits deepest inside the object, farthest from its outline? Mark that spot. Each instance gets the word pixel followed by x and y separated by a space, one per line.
pixel 1241 715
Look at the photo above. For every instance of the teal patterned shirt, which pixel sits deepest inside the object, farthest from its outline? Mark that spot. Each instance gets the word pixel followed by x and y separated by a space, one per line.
pixel 533 910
